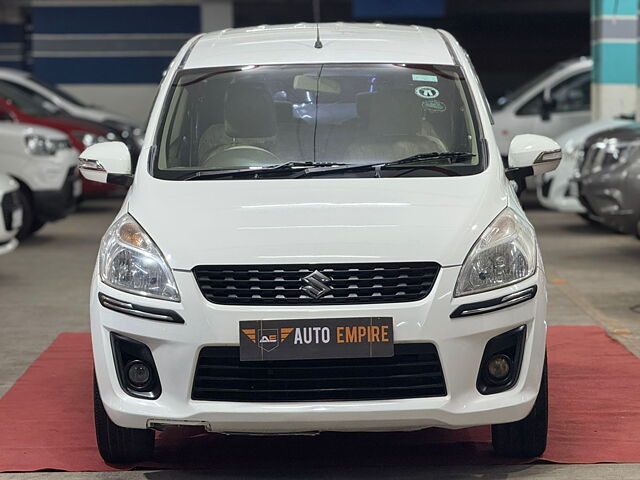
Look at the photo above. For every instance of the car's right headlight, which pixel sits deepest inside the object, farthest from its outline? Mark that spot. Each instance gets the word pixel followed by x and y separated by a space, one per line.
pixel 504 254
pixel 131 261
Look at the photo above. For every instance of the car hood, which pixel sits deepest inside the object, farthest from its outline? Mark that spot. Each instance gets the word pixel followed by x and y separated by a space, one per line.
pixel 316 220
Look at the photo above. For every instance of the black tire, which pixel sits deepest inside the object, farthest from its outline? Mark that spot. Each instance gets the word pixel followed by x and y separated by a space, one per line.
pixel 28 215
pixel 37 225
pixel 526 438
pixel 117 444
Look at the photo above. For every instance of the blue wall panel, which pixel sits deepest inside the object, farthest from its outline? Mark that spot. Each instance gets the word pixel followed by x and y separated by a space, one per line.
pixel 101 70
pixel 109 44
pixel 117 19
pixel 12 45
pixel 384 9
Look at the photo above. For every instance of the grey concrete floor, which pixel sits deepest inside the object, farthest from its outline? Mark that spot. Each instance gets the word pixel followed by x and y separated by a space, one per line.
pixel 593 279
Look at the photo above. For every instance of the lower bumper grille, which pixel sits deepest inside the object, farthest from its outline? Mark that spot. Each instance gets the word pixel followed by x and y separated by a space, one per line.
pixel 413 372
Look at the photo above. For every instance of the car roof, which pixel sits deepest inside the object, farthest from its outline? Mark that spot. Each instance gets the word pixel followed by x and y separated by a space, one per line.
pixel 341 43
pixel 12 72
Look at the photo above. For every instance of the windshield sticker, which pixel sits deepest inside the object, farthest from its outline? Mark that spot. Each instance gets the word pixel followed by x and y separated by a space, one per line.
pixel 435 106
pixel 426 91
pixel 424 78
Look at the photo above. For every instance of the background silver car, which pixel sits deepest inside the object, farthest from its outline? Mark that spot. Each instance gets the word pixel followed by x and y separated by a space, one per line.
pixel 610 178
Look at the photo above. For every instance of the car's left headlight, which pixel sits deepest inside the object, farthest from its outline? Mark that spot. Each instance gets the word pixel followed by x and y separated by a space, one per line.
pixel 131 261
pixel 504 254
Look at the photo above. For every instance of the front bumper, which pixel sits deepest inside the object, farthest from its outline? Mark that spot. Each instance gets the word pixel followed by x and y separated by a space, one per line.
pixel 50 205
pixel 559 193
pixel 460 343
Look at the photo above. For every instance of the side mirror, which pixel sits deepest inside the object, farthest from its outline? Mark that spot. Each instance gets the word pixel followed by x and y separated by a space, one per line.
pixel 532 155
pixel 108 162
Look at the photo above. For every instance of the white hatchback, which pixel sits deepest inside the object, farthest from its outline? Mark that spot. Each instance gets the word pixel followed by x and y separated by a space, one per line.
pixel 319 236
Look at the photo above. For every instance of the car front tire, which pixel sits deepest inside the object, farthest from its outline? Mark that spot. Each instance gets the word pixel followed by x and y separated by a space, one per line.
pixel 526 438
pixel 117 444
pixel 28 215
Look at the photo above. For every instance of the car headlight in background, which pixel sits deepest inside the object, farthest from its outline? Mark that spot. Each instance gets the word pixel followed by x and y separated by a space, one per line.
pixel 41 145
pixel 130 134
pixel 504 254
pixel 88 139
pixel 130 261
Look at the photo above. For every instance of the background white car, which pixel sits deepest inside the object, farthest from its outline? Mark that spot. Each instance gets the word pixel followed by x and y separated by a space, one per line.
pixel 558 190
pixel 126 128
pixel 43 163
pixel 11 211
pixel 555 101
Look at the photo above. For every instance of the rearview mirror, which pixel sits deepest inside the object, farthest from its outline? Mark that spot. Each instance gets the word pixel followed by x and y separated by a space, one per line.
pixel 313 83
pixel 108 162
pixel 532 155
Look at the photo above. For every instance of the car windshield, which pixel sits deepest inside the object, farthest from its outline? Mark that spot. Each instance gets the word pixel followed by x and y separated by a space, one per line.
pixel 28 102
pixel 58 91
pixel 257 117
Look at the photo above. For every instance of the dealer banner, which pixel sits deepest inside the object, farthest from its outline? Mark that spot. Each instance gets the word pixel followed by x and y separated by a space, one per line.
pixel 363 337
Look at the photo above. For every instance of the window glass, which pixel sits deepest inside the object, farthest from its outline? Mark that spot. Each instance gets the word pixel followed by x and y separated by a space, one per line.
pixel 532 107
pixel 257 116
pixel 573 94
pixel 27 101
pixel 58 91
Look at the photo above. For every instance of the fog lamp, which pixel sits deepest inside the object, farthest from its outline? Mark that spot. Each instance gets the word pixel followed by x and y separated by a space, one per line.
pixel 499 367
pixel 138 373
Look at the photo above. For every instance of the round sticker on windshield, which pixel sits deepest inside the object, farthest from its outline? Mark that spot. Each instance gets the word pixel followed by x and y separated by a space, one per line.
pixel 427 91
pixel 434 106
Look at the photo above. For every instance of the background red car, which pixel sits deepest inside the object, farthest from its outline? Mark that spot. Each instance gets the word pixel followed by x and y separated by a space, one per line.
pixel 19 107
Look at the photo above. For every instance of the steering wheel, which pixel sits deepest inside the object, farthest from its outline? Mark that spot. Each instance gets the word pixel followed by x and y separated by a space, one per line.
pixel 236 156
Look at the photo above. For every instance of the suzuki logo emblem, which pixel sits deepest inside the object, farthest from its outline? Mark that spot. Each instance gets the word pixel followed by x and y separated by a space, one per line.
pixel 316 284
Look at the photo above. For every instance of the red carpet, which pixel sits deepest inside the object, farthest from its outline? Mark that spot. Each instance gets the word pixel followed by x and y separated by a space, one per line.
pixel 47 421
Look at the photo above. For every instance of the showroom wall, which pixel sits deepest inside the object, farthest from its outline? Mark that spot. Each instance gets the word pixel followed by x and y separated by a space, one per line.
pixel 109 53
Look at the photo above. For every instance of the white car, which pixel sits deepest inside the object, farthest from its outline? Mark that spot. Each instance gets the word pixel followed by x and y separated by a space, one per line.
pixel 558 189
pixel 555 101
pixel 132 134
pixel 364 266
pixel 11 210
pixel 45 166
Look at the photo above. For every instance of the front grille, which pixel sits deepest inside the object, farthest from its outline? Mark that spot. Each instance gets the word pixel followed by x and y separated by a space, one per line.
pixel 10 202
pixel 546 186
pixel 282 284
pixel 413 372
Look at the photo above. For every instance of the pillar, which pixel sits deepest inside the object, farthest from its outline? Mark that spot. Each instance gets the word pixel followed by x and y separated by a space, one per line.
pixel 614 49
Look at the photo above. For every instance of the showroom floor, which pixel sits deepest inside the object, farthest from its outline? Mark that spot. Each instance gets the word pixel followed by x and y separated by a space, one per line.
pixel 44 286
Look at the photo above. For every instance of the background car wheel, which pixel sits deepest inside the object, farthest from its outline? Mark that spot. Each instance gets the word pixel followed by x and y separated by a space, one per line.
pixel 526 438
pixel 638 229
pixel 589 220
pixel 28 216
pixel 118 444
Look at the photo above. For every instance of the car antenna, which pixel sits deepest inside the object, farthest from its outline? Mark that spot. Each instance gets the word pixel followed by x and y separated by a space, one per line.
pixel 316 18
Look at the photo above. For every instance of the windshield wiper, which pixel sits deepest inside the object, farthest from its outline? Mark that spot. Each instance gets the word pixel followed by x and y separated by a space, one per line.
pixel 402 161
pixel 215 173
